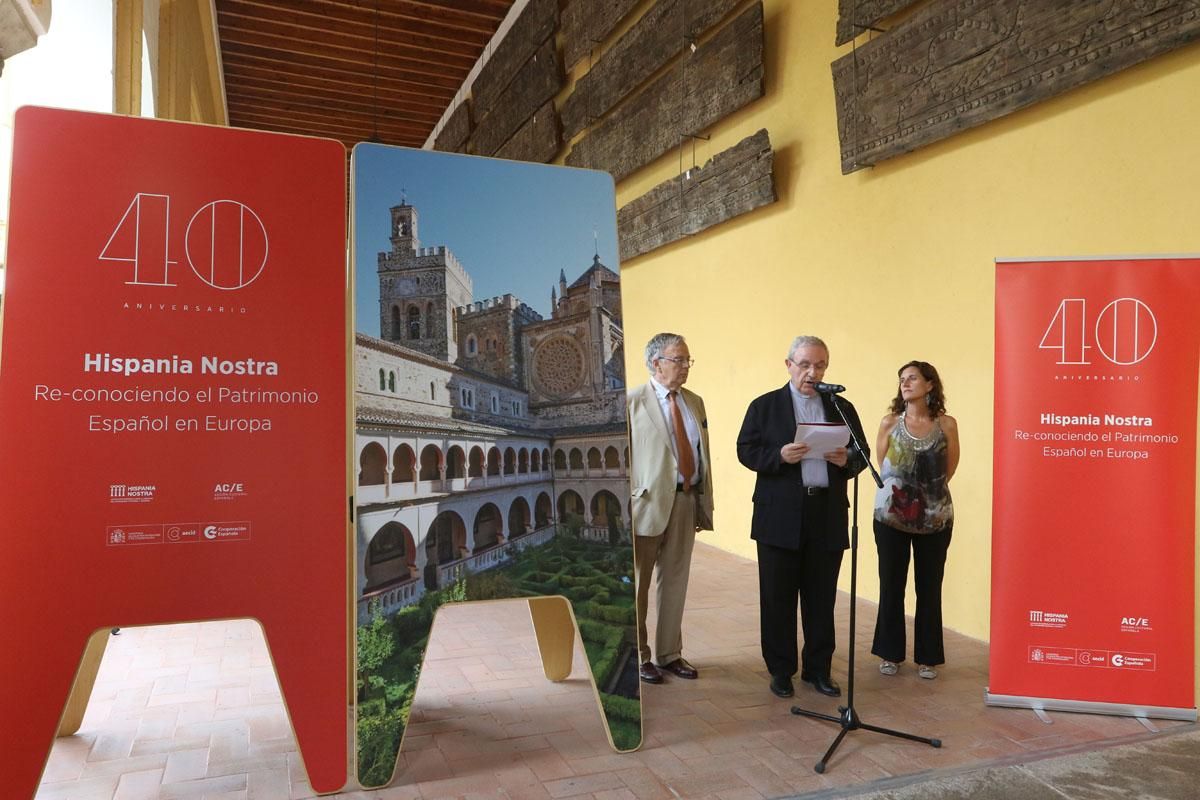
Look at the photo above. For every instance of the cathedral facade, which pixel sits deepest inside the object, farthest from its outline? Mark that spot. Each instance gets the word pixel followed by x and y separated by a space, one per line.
pixel 479 423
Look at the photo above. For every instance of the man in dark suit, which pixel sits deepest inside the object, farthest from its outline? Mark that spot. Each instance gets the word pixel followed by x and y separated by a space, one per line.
pixel 801 518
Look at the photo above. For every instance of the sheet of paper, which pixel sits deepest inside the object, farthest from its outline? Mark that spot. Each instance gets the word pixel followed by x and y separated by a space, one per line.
pixel 821 437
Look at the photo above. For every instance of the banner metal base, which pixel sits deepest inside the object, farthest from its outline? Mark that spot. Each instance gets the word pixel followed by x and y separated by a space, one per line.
pixel 1089 707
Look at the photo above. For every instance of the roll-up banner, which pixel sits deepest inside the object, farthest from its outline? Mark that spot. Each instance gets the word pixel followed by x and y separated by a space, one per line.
pixel 172 410
pixel 1093 517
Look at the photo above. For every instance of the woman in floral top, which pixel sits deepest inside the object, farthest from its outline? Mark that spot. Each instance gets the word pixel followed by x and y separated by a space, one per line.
pixel 918 448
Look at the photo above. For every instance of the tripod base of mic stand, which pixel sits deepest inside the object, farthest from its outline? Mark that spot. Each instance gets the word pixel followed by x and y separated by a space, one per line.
pixel 848 719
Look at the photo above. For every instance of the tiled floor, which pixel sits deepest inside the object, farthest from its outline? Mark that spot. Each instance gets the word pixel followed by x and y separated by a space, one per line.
pixel 193 711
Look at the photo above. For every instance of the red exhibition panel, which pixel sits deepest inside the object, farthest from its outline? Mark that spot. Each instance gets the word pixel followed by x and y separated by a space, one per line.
pixel 1093 500
pixel 172 409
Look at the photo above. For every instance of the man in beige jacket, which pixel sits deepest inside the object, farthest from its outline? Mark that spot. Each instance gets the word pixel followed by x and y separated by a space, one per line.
pixel 671 497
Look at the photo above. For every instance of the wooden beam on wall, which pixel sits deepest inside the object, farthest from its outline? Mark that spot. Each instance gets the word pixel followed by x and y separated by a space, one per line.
pixel 538 80
pixel 539 139
pixel 856 16
pixel 731 183
pixel 658 36
pixel 453 136
pixel 524 39
pixel 587 23
pixel 955 64
pixel 721 76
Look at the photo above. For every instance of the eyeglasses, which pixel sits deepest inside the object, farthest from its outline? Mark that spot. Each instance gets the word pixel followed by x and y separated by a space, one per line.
pixel 678 360
pixel 805 366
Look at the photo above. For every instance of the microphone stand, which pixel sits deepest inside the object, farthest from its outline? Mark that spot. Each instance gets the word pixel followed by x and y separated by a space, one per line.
pixel 847 717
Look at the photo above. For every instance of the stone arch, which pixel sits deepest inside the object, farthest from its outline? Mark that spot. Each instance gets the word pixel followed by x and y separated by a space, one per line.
pixel 543 511
pixel 397 324
pixel 403 462
pixel 391 555
pixel 546 459
pixel 535 460
pixel 518 517
pixel 594 460
pixel 431 463
pixel 475 466
pixel 391 383
pixel 605 508
pixel 569 502
pixel 445 541
pixel 382 379
pixel 493 461
pixel 522 461
pixel 414 323
pixel 612 459
pixel 488 527
pixel 372 463
pixel 456 463
pixel 510 461
pixel 560 460
pixel 575 459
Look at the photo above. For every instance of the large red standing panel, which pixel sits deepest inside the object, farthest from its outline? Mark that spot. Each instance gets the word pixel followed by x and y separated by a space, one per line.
pixel 172 409
pixel 1093 510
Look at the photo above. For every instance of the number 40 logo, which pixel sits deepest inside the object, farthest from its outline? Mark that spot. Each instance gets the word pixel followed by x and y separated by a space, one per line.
pixel 1125 331
pixel 225 243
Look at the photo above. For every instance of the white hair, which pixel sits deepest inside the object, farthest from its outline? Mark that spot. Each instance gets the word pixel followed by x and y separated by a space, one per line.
pixel 657 344
pixel 806 341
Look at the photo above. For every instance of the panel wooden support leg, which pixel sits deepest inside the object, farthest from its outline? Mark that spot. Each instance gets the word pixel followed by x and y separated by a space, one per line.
pixel 555 630
pixel 85 679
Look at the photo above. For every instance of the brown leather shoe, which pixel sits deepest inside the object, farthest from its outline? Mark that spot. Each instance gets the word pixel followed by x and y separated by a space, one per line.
pixel 681 669
pixel 649 673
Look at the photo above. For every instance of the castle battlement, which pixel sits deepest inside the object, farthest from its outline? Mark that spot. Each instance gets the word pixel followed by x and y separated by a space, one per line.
pixel 506 301
pixel 423 258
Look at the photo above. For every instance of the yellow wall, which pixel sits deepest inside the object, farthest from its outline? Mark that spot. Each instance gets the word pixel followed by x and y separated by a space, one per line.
pixel 895 262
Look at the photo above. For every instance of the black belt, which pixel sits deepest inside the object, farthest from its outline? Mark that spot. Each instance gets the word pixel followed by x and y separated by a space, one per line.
pixel 814 490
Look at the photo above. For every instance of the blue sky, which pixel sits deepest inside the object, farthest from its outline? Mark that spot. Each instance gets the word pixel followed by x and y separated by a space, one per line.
pixel 512 225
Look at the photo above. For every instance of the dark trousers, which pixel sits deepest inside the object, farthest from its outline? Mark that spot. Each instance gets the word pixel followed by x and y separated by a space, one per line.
pixel 809 574
pixel 929 563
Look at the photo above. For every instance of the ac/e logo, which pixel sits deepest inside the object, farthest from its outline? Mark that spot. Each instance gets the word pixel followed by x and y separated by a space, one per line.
pixel 1135 622
pixel 228 488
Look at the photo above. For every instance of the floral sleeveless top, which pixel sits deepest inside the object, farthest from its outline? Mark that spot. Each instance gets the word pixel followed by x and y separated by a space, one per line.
pixel 915 497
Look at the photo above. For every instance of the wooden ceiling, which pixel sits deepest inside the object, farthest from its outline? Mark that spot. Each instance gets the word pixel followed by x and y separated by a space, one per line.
pixel 354 70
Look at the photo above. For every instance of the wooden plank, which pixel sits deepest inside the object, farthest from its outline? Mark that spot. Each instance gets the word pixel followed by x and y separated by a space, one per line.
pixel 657 37
pixel 524 39
pixel 454 133
pixel 720 77
pixel 731 183
pixel 855 16
pixel 956 64
pixel 539 139
pixel 587 23
pixel 538 81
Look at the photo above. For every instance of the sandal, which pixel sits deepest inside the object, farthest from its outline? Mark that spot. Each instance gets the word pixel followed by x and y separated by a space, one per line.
pixel 926 672
pixel 888 668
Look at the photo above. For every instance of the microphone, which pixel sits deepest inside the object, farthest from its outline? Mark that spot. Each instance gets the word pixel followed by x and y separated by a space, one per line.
pixel 829 388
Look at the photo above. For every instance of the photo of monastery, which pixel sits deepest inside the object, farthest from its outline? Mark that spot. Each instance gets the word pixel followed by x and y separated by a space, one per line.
pixel 490 436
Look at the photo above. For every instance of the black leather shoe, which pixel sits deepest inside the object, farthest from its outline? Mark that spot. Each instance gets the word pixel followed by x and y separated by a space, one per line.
pixel 681 669
pixel 649 673
pixel 823 684
pixel 781 686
